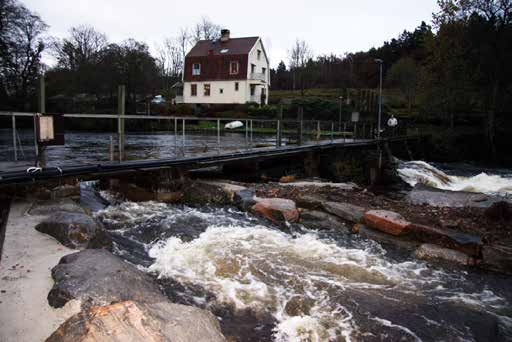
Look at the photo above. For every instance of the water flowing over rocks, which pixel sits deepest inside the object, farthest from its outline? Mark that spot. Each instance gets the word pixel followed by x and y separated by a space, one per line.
pixel 135 321
pixel 75 230
pixel 96 277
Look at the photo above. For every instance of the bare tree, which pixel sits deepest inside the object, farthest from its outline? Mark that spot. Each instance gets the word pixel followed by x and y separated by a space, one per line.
pixel 170 57
pixel 205 30
pixel 298 57
pixel 81 47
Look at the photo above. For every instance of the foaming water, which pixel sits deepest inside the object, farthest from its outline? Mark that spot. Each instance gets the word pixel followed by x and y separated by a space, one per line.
pixel 415 172
pixel 330 287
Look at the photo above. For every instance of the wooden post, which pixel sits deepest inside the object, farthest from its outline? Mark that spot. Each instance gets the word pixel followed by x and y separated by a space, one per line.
pixel 121 93
pixel 15 148
pixel 299 130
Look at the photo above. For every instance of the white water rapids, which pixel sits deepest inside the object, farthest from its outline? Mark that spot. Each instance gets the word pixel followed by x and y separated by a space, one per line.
pixel 415 172
pixel 315 286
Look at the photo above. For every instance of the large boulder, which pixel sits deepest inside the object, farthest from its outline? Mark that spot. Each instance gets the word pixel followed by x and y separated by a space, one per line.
pixel 134 321
pixel 386 221
pixel 498 257
pixel 322 221
pixel 422 194
pixel 449 238
pixel 75 230
pixel 97 277
pixel 244 199
pixel 346 211
pixel 276 209
pixel 433 252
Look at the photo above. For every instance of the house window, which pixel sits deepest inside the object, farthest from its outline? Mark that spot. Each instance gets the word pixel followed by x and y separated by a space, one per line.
pixel 253 89
pixel 221 91
pixel 193 90
pixel 196 69
pixel 264 71
pixel 236 86
pixel 206 90
pixel 233 68
pixel 259 55
pixel 253 68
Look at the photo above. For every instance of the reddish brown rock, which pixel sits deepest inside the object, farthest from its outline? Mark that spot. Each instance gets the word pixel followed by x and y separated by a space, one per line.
pixel 386 221
pixel 287 179
pixel 276 209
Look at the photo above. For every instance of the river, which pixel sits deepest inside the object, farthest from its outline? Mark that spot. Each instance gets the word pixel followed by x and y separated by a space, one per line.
pixel 269 284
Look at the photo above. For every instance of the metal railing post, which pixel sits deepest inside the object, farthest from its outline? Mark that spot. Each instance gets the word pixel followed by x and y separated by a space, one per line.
pixel 218 135
pixel 111 148
pixel 345 131
pixel 176 137
pixel 318 131
pixel 121 93
pixel 36 148
pixel 246 134
pixel 183 139
pixel 14 138
pixel 278 133
pixel 251 134
pixel 332 131
pixel 355 131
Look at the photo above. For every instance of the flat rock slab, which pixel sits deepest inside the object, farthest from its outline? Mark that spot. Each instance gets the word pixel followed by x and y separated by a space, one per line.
pixel 449 238
pixel 276 209
pixel 422 194
pixel 97 278
pixel 386 221
pixel 319 220
pixel 134 321
pixel 346 211
pixel 433 252
pixel 497 257
pixel 74 229
pixel 51 206
pixel 340 186
pixel 396 241
pixel 311 202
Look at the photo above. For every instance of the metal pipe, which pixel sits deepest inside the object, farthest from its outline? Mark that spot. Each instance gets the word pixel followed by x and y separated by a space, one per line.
pixel 345 131
pixel 246 135
pixel 15 148
pixel 332 131
pixel 176 137
pixel 278 133
pixel 380 61
pixel 252 144
pixel 36 148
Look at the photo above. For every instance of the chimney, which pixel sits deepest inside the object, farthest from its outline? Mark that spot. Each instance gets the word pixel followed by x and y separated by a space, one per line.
pixel 224 35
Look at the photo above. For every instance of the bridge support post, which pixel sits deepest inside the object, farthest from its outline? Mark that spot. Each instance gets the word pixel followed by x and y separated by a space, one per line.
pixel 121 93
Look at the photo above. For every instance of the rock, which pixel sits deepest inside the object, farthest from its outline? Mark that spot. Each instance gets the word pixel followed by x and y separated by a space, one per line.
pixel 299 306
pixel 422 194
pixel 204 193
pixel 386 221
pixel 135 321
pixel 433 252
pixel 97 278
pixel 287 179
pixel 322 221
pixel 311 202
pixel 74 230
pixel 449 238
pixel 229 188
pixel 346 211
pixel 52 206
pixel 499 211
pixel 65 190
pixel 244 199
pixel 276 209
pixel 497 257
pixel 135 193
pixel 339 186
pixel 397 241
pixel 169 197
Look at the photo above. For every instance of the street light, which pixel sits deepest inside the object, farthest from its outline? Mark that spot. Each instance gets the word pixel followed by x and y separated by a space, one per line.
pixel 380 61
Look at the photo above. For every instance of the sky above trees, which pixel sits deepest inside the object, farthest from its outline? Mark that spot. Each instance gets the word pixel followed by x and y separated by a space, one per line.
pixel 327 26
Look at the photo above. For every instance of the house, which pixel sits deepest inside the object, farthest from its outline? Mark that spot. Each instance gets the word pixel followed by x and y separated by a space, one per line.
pixel 226 70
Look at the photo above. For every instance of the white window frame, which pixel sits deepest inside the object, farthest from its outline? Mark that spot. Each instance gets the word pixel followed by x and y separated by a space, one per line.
pixel 196 71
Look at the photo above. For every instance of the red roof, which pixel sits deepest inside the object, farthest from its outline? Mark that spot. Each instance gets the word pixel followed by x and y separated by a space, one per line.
pixel 234 46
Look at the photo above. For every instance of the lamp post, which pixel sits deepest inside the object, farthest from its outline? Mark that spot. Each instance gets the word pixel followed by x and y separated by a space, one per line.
pixel 380 61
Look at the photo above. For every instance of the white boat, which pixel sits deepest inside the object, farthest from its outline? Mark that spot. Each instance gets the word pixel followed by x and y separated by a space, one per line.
pixel 234 124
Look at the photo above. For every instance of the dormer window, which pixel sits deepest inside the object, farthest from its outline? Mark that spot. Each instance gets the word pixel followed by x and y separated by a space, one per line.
pixel 196 69
pixel 259 55
pixel 233 68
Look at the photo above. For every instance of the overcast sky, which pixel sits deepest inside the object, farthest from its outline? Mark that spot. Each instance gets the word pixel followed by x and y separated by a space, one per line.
pixel 329 26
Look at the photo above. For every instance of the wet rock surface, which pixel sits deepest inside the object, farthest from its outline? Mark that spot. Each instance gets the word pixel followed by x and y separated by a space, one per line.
pixel 96 277
pixel 276 209
pixel 320 220
pixel 422 194
pixel 497 257
pixel 75 230
pixel 51 206
pixel 135 321
pixel 437 253
pixel 386 221
pixel 346 211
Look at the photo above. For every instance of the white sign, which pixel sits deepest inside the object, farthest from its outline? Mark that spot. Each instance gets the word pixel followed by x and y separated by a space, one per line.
pixel 46 128
pixel 355 116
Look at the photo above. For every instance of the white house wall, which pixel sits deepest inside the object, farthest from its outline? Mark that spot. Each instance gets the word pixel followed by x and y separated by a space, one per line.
pixel 229 94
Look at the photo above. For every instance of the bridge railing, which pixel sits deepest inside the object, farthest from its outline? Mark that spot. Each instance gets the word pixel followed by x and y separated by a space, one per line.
pixel 92 138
